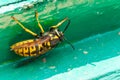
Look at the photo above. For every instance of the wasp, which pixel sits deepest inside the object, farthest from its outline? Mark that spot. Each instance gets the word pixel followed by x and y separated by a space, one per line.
pixel 43 42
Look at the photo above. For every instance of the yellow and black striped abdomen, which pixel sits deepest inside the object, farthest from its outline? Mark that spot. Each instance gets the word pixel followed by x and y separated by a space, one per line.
pixel 35 47
pixel 32 47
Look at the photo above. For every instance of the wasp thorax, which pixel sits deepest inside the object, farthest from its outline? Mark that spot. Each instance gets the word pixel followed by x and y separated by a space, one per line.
pixel 57 32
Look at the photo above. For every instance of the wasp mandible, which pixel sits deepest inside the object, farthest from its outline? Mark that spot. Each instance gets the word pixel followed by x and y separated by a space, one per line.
pixel 43 42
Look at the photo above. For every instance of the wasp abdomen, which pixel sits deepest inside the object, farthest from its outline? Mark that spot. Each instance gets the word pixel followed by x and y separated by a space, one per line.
pixel 31 47
pixel 35 47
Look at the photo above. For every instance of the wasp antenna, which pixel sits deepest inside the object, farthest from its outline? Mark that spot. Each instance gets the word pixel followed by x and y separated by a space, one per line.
pixel 67 26
pixel 69 43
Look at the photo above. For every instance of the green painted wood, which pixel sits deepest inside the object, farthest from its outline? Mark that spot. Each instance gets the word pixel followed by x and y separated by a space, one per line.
pixel 94 31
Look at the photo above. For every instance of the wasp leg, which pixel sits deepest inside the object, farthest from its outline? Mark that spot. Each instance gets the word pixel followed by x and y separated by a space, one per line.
pixel 36 15
pixel 27 30
pixel 60 23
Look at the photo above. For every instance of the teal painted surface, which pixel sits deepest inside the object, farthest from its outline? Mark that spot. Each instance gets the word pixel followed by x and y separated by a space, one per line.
pixel 94 31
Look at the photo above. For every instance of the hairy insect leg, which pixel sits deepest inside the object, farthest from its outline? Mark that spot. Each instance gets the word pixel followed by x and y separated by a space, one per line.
pixel 60 23
pixel 27 30
pixel 40 26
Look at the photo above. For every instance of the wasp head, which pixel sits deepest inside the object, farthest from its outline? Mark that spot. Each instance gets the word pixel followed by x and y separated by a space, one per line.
pixel 57 32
